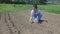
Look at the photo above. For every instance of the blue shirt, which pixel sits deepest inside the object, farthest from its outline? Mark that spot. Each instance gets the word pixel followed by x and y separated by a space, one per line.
pixel 35 14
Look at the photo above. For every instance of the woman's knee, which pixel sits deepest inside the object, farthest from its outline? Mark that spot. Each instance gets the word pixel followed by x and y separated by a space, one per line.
pixel 40 15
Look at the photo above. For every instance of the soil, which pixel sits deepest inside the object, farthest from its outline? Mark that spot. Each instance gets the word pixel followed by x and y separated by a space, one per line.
pixel 17 23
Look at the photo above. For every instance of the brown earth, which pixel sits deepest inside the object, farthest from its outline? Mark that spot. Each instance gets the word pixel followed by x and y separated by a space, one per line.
pixel 17 23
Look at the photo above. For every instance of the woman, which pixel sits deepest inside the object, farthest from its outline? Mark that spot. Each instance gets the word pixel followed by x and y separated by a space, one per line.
pixel 35 15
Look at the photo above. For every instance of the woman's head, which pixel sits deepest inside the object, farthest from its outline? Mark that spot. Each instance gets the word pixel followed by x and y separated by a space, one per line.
pixel 35 7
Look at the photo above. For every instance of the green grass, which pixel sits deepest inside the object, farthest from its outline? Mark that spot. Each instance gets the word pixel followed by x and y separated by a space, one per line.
pixel 50 8
pixel 11 8
pixel 5 7
pixel 22 7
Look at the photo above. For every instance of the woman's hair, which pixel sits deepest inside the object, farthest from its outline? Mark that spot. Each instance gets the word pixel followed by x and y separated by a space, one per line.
pixel 35 6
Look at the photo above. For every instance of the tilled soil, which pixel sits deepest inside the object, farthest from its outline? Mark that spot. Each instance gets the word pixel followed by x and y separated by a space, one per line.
pixel 18 23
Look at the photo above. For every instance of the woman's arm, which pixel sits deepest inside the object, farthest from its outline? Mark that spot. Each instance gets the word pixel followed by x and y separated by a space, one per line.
pixel 31 16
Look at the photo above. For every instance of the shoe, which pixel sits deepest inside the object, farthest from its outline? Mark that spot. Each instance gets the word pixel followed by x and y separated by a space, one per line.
pixel 40 21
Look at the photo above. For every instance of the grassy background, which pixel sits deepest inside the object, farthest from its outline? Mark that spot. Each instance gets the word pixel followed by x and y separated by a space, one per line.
pixel 22 7
pixel 50 8
pixel 14 7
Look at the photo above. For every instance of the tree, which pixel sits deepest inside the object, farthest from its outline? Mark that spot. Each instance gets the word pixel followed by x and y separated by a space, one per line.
pixel 39 1
pixel 36 1
pixel 43 1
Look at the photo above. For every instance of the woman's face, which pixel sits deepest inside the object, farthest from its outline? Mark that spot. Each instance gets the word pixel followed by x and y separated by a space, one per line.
pixel 34 9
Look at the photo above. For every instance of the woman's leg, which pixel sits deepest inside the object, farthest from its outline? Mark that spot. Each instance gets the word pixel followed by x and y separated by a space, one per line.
pixel 39 16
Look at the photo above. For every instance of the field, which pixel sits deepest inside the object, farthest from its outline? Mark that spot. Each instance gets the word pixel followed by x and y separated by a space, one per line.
pixel 14 20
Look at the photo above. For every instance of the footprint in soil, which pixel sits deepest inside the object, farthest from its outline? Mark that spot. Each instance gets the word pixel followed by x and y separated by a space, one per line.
pixel 0 15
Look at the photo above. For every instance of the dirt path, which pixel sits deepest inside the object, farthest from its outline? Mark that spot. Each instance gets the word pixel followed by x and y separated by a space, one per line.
pixel 17 23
